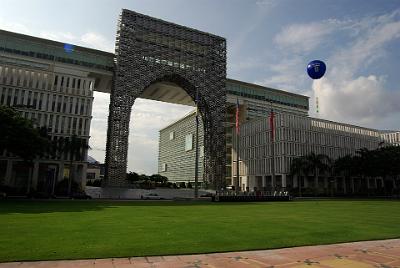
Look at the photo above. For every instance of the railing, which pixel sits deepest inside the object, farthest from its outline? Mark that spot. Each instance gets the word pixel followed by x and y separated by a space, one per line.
pixel 256 196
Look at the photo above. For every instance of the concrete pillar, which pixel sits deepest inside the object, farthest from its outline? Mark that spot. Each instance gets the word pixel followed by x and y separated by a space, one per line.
pixel 264 181
pixel 251 182
pixel 344 185
pixel 7 178
pixel 84 174
pixel 273 184
pixel 352 185
pixel 305 181
pixel 35 174
pixel 284 181
pixel 295 181
pixel 368 185
pixel 60 176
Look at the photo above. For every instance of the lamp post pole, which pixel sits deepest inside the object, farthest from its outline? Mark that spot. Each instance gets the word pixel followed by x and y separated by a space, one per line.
pixel 237 184
pixel 196 167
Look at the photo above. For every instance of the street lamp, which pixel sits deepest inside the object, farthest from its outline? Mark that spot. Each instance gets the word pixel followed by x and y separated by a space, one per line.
pixel 196 167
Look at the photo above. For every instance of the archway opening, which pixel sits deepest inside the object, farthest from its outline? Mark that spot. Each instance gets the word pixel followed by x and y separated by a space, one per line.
pixel 163 136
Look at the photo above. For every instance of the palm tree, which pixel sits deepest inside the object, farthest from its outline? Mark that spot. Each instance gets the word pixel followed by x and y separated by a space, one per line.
pixel 318 163
pixel 344 166
pixel 75 149
pixel 299 167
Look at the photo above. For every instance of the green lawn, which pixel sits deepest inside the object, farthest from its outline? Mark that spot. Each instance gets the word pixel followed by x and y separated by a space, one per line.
pixel 38 230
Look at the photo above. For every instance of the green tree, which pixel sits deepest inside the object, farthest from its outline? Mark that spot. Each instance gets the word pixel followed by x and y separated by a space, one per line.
pixel 133 177
pixel 317 163
pixel 73 147
pixel 159 179
pixel 18 137
pixel 300 168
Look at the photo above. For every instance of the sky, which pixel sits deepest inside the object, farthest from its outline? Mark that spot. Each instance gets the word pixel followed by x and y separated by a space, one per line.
pixel 269 43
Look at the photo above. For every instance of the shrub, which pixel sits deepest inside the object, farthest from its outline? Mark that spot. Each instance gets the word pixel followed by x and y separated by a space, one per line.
pixel 96 183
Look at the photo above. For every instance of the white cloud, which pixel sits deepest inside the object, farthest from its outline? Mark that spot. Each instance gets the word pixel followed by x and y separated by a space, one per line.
pixel 14 27
pixel 361 99
pixel 289 72
pixel 58 36
pixel 88 39
pixel 266 3
pixel 147 118
pixel 306 37
pixel 97 41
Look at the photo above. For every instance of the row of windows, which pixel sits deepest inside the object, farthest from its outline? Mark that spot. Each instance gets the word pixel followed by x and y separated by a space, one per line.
pixel 305 123
pixel 37 80
pixel 73 85
pixel 57 154
pixel 267 94
pixel 312 137
pixel 59 124
pixel 21 98
pixel 392 137
pixel 293 149
pixel 24 78
pixel 264 98
pixel 260 166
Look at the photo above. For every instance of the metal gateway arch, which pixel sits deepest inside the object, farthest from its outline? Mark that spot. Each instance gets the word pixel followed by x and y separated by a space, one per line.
pixel 149 51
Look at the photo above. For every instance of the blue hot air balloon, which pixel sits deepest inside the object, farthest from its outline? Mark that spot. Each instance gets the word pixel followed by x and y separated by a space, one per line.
pixel 316 69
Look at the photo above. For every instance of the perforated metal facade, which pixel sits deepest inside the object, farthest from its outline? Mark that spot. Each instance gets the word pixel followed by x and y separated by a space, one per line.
pixel 149 51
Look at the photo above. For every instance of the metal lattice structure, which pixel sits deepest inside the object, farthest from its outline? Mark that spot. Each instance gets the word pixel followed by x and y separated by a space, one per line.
pixel 149 51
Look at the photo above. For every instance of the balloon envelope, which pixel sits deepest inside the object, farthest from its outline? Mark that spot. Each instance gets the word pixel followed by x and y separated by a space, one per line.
pixel 316 69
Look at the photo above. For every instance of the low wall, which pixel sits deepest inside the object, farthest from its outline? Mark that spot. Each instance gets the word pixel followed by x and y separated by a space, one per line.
pixel 123 193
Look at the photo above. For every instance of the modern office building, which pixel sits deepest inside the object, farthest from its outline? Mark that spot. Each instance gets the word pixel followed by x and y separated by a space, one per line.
pixel 391 137
pixel 254 101
pixel 177 150
pixel 52 84
pixel 295 134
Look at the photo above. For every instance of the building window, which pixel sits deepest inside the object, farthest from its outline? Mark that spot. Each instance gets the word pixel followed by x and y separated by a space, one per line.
pixel 164 167
pixel 172 135
pixel 189 142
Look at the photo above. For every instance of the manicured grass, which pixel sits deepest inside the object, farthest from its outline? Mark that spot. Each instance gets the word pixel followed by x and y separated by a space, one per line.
pixel 38 230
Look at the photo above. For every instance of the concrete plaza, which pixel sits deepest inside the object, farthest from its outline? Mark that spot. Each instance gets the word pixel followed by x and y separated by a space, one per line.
pixel 381 253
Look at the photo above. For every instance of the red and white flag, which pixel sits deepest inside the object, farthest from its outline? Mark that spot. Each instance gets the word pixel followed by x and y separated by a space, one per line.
pixel 271 124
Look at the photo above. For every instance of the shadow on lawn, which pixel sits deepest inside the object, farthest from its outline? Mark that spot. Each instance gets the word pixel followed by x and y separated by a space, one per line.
pixel 50 206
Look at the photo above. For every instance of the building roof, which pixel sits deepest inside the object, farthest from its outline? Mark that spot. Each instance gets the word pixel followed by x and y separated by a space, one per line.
pixel 266 88
pixel 46 49
pixel 91 160
pixel 180 119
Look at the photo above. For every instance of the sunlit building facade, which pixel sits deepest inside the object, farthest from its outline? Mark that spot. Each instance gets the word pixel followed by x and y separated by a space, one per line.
pixel 295 134
pixel 52 84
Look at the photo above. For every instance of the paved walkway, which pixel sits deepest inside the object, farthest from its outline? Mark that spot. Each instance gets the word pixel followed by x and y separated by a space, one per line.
pixel 374 254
